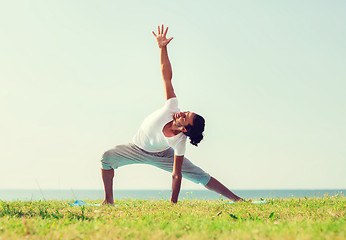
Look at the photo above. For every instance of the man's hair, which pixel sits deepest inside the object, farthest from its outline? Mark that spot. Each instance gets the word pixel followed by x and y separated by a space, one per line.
pixel 195 131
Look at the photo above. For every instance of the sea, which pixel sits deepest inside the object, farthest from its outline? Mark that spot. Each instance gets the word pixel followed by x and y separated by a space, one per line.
pixel 98 194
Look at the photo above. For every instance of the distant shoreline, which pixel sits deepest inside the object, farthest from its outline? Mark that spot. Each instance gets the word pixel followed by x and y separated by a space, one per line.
pixel 97 194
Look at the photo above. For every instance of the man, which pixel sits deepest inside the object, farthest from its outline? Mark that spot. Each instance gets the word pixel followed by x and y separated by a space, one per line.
pixel 161 140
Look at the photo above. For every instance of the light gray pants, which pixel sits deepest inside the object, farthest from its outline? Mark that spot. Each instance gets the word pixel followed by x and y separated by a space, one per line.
pixel 126 154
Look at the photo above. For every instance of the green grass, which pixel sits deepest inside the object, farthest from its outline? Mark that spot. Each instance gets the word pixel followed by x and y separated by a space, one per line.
pixel 293 218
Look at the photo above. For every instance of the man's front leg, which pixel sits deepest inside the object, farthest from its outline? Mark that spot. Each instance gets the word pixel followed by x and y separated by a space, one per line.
pixel 107 177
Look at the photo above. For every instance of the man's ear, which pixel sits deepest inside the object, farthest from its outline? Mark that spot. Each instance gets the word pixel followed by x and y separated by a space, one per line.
pixel 183 129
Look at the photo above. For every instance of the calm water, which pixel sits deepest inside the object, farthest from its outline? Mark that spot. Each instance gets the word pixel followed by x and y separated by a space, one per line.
pixel 11 195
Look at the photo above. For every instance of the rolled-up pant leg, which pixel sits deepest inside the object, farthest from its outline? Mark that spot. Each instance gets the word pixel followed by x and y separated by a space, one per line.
pixel 122 155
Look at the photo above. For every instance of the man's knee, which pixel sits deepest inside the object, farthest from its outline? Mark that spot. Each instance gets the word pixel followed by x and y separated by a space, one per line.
pixel 107 160
pixel 110 159
pixel 108 154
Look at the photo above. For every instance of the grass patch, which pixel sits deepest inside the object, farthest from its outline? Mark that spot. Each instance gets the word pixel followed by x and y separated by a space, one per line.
pixel 293 218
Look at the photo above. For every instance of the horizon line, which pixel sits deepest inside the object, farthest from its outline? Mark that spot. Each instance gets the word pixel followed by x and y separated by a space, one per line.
pixel 154 189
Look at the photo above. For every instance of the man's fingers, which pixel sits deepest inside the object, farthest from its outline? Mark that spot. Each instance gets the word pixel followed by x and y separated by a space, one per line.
pixel 165 32
pixel 161 31
pixel 170 39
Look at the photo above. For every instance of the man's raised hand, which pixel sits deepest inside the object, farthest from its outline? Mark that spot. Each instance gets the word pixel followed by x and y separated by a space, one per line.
pixel 162 41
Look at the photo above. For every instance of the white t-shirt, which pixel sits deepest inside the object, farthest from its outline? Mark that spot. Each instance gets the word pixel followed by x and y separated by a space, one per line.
pixel 150 137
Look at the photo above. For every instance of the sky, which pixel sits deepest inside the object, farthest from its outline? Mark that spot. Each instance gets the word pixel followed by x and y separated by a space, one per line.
pixel 78 77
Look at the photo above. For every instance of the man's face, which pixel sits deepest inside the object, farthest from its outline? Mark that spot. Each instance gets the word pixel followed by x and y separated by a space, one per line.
pixel 183 119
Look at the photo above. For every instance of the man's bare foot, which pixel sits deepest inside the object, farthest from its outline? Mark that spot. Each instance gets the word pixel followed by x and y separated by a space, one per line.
pixel 242 200
pixel 238 199
pixel 108 202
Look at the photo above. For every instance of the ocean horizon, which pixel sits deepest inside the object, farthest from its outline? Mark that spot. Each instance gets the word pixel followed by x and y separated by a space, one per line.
pixel 155 194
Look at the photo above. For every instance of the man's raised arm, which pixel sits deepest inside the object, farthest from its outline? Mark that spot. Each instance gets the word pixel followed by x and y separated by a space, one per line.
pixel 166 68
